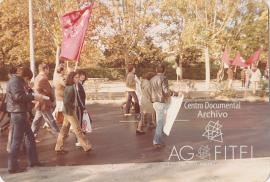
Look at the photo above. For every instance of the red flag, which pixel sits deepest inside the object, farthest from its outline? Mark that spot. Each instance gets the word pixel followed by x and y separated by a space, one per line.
pixel 236 59
pixel 239 61
pixel 225 57
pixel 253 58
pixel 74 26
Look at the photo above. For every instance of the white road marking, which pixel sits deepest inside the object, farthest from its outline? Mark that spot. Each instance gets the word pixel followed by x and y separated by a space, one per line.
pixel 131 121
pixel 178 120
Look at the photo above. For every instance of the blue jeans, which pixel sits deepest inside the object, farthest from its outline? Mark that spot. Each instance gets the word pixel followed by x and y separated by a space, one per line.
pixel 20 129
pixel 48 117
pixel 160 109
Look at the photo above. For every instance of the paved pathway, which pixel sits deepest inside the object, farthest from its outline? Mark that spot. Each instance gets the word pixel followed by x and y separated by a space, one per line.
pixel 115 142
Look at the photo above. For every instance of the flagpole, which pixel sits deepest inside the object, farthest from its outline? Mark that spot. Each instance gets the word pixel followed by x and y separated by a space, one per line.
pixel 268 7
pixel 267 2
pixel 67 67
pixel 76 66
pixel 31 39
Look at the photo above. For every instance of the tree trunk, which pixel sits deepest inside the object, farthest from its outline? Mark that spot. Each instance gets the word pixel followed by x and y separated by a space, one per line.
pixel 215 15
pixel 2 58
pixel 207 67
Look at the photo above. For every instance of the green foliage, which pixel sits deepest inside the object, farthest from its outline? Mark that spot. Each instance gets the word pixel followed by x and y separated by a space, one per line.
pixel 191 55
pixel 264 84
pixel 119 33
pixel 238 25
pixel 110 73
pixel 229 93
pixel 147 54
pixel 13 32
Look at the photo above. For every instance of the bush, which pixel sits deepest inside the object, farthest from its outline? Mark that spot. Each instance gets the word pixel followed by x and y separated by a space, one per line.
pixel 110 73
pixel 193 72
pixel 229 93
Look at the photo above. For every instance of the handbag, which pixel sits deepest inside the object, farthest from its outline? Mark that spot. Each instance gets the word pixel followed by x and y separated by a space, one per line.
pixel 86 122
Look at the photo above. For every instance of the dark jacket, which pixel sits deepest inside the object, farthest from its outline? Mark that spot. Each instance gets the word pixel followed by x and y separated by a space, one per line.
pixel 160 88
pixel 69 100
pixel 17 98
pixel 81 96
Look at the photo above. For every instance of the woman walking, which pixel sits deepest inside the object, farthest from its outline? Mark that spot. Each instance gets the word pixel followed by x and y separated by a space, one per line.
pixel 146 104
pixel 70 117
pixel 80 92
pixel 81 97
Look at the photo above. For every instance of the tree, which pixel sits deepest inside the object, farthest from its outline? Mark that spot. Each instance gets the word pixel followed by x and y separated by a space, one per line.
pixel 126 31
pixel 13 33
pixel 212 25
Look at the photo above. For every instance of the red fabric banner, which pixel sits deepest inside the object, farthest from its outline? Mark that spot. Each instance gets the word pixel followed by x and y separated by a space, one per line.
pixel 74 26
pixel 225 57
pixel 253 58
pixel 239 61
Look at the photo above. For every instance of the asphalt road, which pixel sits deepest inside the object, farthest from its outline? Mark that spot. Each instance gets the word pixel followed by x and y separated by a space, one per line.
pixel 245 134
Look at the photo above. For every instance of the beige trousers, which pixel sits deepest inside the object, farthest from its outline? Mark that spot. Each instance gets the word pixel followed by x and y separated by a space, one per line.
pixel 73 121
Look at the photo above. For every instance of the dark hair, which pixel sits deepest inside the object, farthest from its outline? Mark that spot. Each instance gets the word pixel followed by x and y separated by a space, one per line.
pixel 13 70
pixel 26 72
pixel 160 68
pixel 43 67
pixel 149 75
pixel 61 61
pixel 81 72
pixel 60 69
pixel 130 67
pixel 70 78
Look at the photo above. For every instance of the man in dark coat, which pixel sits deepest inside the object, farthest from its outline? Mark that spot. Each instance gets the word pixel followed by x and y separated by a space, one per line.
pixel 18 105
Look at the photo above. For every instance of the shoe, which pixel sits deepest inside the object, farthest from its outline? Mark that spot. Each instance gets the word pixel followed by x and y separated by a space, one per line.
pixel 89 150
pixel 77 144
pixel 152 126
pixel 37 164
pixel 19 170
pixel 122 108
pixel 139 132
pixel 159 146
pixel 138 116
pixel 61 152
pixel 37 141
